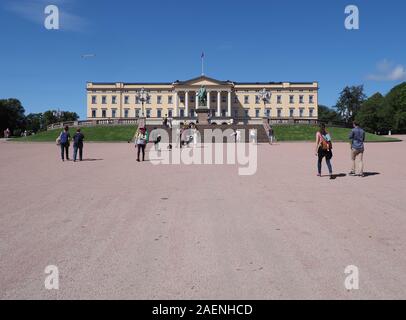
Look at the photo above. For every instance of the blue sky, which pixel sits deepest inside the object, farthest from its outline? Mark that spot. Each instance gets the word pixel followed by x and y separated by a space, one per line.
pixel 152 41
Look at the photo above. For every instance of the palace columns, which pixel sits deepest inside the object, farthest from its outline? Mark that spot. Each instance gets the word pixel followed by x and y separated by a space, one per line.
pixel 208 99
pixel 186 103
pixel 229 104
pixel 218 103
pixel 176 103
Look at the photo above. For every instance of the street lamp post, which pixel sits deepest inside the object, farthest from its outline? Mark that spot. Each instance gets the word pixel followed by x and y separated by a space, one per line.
pixel 265 96
pixel 143 96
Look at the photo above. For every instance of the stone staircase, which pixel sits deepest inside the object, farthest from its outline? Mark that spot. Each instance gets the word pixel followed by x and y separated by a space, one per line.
pixel 262 136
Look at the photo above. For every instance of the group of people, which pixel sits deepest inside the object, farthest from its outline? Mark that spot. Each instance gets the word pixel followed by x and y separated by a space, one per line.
pixel 64 140
pixel 324 149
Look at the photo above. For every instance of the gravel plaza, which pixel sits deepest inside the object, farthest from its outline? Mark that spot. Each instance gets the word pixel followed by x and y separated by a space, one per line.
pixel 117 229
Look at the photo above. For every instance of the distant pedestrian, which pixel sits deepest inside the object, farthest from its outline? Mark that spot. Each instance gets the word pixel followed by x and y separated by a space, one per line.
pixel 234 135
pixel 165 121
pixel 78 145
pixel 156 137
pixel 7 133
pixel 324 149
pixel 195 133
pixel 238 136
pixel 140 143
pixel 357 137
pixel 253 135
pixel 64 142
pixel 271 135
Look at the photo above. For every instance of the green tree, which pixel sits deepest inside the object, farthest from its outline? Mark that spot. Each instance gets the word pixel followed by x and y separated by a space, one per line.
pixel 393 114
pixel 349 102
pixel 11 115
pixel 328 115
pixel 35 122
pixel 367 116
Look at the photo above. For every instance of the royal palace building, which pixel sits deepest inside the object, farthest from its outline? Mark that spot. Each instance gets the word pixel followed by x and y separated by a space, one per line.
pixel 241 101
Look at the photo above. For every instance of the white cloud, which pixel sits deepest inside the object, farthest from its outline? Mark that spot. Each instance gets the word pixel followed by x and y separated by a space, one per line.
pixel 388 71
pixel 34 11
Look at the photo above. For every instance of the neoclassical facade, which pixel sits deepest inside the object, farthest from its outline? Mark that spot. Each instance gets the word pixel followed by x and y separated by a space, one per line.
pixel 240 101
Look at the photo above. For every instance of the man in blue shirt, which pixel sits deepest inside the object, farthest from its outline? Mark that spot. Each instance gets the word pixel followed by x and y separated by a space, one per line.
pixel 357 137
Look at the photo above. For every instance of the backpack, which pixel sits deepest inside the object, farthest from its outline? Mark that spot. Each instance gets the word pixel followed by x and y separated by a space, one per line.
pixel 325 144
pixel 64 138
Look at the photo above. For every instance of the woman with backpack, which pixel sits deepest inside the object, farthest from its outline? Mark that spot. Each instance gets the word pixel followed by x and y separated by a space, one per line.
pixel 64 142
pixel 140 143
pixel 324 149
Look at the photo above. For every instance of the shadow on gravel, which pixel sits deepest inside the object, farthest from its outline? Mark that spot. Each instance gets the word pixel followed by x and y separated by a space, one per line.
pixel 370 174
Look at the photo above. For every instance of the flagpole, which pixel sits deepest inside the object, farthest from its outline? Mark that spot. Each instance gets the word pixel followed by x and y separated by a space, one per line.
pixel 203 64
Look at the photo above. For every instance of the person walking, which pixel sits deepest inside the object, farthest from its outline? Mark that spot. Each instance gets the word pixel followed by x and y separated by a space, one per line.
pixel 78 145
pixel 271 135
pixel 64 142
pixel 324 149
pixel 195 133
pixel 156 137
pixel 357 137
pixel 253 136
pixel 141 142
pixel 238 136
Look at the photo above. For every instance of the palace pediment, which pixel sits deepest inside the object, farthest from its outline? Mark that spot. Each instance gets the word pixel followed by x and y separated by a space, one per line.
pixel 203 81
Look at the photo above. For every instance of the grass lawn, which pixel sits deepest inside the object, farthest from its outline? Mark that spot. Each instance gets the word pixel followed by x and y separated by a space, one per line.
pixel 94 134
pixel 308 133
pixel 125 133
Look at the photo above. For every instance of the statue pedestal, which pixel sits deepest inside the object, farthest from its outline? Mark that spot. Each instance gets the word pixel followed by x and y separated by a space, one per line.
pixel 203 116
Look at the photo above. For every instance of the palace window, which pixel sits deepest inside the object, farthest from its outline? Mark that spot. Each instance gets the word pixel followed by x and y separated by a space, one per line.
pixel 246 99
pixel 246 113
pixel 159 100
pixel 104 114
pixel 159 113
pixel 137 100
pixel 113 113
pixel 182 113
pixel 257 113
pixel 149 100
pixel 126 99
pixel 114 99
pixel 94 99
pixel 279 113
pixel 93 113
pixel 104 100
pixel 126 113
pixel 311 112
pixel 148 113
pixel 291 99
pixel 301 100
pixel 301 112
pixel 291 113
pixel 268 113
pixel 311 99
pixel 170 113
pixel 256 99
pixel 279 99
pixel 223 112
pixel 170 99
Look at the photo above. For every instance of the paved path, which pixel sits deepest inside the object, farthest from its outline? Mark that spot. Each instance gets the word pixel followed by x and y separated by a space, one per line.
pixel 118 229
